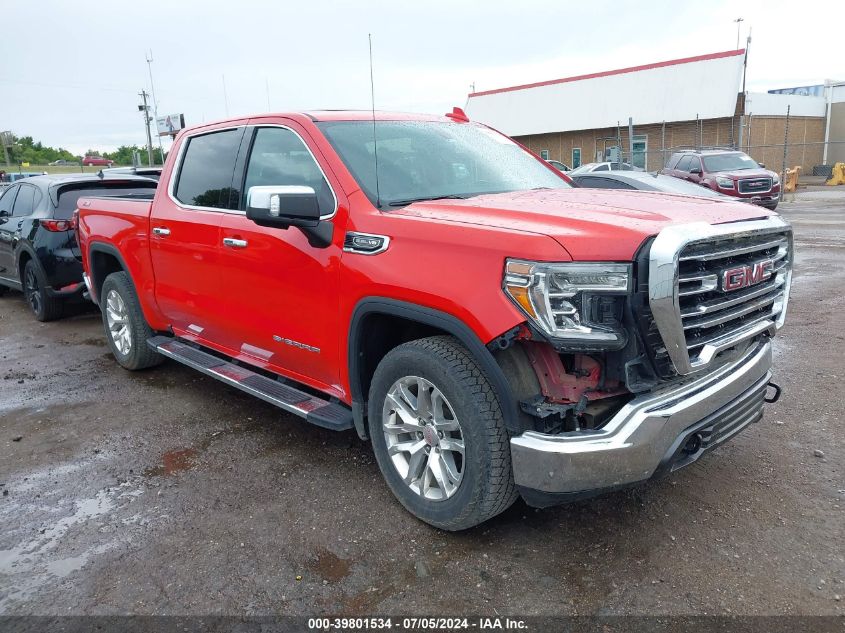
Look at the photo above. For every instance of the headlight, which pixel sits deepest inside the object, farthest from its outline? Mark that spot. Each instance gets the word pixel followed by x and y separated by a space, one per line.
pixel 724 183
pixel 577 303
pixel 775 179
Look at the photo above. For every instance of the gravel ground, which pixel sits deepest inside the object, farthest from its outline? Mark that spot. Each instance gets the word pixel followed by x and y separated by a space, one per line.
pixel 164 492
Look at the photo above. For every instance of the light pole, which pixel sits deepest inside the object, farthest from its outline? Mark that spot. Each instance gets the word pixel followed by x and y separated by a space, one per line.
pixel 738 22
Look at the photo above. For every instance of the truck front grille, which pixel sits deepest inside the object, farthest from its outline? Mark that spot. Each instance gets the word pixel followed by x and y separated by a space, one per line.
pixel 754 185
pixel 728 288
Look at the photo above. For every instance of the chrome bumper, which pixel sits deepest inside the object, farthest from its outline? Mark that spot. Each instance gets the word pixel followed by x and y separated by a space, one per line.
pixel 632 446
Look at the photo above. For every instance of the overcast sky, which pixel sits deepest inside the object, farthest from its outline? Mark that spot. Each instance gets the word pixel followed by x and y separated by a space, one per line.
pixel 71 71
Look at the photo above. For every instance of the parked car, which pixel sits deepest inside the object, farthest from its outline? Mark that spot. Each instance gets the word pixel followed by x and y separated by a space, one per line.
pixel 644 181
pixel 727 171
pixel 38 250
pixel 62 162
pixel 149 172
pixel 97 161
pixel 605 166
pixel 20 175
pixel 493 331
pixel 558 165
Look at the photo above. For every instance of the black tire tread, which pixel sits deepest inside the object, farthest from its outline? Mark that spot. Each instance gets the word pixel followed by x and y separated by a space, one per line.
pixel 142 355
pixel 52 308
pixel 499 491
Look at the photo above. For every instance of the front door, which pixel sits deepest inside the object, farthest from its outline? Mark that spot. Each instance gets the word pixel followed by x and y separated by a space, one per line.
pixel 185 235
pixel 284 289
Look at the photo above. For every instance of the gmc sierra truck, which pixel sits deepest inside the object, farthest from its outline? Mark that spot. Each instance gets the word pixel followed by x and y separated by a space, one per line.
pixel 492 330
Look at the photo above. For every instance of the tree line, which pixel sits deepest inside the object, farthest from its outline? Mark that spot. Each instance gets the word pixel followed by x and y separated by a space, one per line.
pixel 24 149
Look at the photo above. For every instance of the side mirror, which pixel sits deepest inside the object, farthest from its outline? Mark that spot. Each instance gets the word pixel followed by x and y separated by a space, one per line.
pixel 696 171
pixel 283 206
pixel 762 165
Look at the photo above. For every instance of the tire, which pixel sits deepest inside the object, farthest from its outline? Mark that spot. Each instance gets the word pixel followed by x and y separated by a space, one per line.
pixel 126 329
pixel 485 486
pixel 44 306
pixel 3 290
pixel 771 207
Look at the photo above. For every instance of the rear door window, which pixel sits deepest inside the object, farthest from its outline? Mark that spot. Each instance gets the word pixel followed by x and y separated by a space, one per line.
pixel 25 202
pixel 205 176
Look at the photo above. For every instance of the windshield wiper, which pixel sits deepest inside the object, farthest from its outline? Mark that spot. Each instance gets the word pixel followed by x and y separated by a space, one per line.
pixel 451 196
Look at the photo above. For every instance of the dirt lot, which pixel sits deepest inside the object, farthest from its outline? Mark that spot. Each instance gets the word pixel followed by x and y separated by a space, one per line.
pixel 164 492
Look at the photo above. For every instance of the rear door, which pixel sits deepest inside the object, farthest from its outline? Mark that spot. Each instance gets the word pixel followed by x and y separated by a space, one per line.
pixel 7 259
pixel 185 234
pixel 285 290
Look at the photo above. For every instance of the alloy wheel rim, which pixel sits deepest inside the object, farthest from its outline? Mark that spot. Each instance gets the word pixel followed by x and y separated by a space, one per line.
pixel 117 318
pixel 424 439
pixel 33 293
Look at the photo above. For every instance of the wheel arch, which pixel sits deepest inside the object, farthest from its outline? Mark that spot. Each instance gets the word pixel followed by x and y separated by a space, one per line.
pixel 103 259
pixel 25 254
pixel 380 324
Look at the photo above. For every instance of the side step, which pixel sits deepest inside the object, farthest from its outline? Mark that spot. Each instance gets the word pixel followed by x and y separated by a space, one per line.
pixel 328 415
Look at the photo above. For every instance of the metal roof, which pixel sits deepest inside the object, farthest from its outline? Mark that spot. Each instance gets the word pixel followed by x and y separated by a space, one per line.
pixel 673 90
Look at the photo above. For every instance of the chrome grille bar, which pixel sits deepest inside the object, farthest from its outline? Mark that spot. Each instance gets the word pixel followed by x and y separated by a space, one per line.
pixel 697 315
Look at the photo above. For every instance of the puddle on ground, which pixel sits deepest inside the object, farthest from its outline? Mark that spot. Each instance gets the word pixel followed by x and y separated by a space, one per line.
pixel 173 462
pixel 24 567
pixel 330 566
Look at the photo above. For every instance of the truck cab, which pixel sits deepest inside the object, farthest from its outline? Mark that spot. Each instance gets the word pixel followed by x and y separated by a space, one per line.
pixel 429 283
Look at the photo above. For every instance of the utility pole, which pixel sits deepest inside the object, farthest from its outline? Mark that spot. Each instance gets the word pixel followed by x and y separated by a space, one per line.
pixel 149 59
pixel 738 22
pixel 147 118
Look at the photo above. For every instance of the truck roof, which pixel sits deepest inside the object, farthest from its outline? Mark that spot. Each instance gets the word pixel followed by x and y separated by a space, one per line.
pixel 324 115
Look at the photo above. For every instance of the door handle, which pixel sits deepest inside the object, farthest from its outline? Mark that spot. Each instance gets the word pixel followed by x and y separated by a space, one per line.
pixel 160 230
pixel 232 242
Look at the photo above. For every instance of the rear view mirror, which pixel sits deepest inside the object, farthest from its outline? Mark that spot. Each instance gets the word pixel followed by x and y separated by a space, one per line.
pixel 283 206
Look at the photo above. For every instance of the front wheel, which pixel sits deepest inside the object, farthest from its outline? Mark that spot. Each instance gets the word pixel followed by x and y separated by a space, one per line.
pixel 126 329
pixel 438 434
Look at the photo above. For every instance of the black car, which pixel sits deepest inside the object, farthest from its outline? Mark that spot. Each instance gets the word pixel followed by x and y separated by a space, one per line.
pixel 38 250
pixel 643 181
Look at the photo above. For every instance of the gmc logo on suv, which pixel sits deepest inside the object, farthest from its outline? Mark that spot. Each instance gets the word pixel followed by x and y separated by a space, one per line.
pixel 744 276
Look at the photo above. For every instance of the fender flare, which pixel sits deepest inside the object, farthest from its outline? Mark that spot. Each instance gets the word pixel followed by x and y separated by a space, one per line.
pixel 24 247
pixel 109 249
pixel 440 320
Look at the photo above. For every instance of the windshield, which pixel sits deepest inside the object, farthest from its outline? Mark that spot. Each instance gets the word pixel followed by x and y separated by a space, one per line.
pixel 424 160
pixel 729 162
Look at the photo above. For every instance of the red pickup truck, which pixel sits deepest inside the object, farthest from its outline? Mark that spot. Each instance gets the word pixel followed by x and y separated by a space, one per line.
pixel 491 329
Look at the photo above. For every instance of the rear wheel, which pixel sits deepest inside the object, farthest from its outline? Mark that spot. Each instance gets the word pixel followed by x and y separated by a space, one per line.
pixel 44 306
pixel 126 329
pixel 438 434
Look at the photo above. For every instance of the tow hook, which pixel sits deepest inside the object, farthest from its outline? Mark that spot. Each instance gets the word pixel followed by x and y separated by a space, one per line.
pixel 776 396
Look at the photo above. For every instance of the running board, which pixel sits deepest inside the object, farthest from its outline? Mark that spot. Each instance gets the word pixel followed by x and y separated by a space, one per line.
pixel 328 415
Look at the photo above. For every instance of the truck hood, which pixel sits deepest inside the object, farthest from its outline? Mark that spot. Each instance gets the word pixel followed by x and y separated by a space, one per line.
pixel 591 224
pixel 744 173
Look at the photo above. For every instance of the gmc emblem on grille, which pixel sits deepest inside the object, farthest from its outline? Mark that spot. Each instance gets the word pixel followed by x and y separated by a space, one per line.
pixel 744 276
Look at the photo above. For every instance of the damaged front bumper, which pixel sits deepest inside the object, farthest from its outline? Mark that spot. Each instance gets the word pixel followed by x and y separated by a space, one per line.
pixel 653 434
